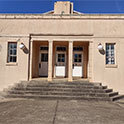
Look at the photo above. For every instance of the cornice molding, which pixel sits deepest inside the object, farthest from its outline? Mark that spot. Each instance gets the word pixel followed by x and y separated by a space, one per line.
pixel 56 16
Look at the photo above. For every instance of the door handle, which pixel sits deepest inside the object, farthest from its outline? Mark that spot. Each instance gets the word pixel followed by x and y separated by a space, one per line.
pixel 39 65
pixel 73 66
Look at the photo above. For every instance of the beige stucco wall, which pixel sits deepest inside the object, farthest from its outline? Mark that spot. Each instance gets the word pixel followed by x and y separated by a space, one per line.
pixel 12 73
pixel 27 26
pixel 103 28
pixel 110 76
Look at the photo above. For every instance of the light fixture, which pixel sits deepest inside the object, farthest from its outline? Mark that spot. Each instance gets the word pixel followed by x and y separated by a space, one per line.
pixel 100 47
pixel 21 46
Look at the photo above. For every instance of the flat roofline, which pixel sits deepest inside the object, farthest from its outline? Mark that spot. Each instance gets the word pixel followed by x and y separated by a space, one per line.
pixel 79 14
pixel 59 16
pixel 61 34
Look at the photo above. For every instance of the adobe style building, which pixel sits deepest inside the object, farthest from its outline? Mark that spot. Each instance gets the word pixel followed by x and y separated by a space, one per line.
pixel 62 43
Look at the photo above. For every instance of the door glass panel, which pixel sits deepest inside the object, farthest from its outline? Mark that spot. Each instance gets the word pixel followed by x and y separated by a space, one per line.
pixel 61 58
pixel 44 57
pixel 77 57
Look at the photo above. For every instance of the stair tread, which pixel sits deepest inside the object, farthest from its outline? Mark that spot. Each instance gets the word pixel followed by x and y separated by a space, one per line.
pixel 68 86
pixel 117 97
pixel 59 96
pixel 61 90
pixel 63 93
pixel 25 91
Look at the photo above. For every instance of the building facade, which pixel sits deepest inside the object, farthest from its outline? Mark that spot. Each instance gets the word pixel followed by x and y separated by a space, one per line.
pixel 62 43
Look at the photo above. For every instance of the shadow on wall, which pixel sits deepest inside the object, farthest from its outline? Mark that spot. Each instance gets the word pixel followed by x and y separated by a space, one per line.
pixel 102 52
pixel 26 51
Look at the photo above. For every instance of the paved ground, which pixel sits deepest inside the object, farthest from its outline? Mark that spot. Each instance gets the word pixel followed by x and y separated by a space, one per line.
pixel 29 111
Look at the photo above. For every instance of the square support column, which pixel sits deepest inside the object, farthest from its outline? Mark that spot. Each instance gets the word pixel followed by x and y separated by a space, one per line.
pixel 50 55
pixel 70 60
pixel 90 64
pixel 30 60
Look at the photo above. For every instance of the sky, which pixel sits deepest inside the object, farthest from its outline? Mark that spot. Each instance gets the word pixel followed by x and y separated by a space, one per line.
pixel 41 6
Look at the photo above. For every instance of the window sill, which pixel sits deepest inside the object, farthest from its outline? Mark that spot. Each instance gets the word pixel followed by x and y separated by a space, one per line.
pixel 11 64
pixel 111 66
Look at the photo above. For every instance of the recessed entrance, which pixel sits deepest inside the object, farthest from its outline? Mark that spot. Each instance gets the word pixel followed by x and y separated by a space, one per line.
pixel 60 59
pixel 40 59
pixel 80 59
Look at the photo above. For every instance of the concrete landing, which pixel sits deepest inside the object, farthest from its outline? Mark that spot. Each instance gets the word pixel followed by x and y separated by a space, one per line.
pixel 32 111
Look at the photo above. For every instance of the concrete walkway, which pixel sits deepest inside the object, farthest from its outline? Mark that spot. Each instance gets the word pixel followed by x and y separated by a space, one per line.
pixel 30 111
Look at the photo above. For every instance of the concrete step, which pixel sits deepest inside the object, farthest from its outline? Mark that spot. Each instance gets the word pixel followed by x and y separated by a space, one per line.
pixel 65 89
pixel 59 97
pixel 64 93
pixel 112 94
pixel 117 97
pixel 108 90
pixel 63 83
pixel 62 88
pixel 68 86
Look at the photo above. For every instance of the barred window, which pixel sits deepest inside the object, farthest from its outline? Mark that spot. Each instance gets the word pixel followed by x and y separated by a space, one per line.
pixel 110 53
pixel 12 52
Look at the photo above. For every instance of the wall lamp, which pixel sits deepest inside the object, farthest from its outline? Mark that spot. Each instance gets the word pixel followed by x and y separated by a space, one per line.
pixel 100 47
pixel 22 46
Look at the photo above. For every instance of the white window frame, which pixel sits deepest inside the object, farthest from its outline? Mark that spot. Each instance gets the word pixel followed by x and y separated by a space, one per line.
pixel 114 65
pixel 9 54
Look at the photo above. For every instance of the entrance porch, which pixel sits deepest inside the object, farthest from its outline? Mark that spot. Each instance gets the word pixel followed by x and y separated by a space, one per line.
pixel 59 59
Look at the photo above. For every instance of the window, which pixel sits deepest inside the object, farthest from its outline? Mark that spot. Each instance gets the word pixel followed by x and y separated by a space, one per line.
pixel 12 52
pixel 110 53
